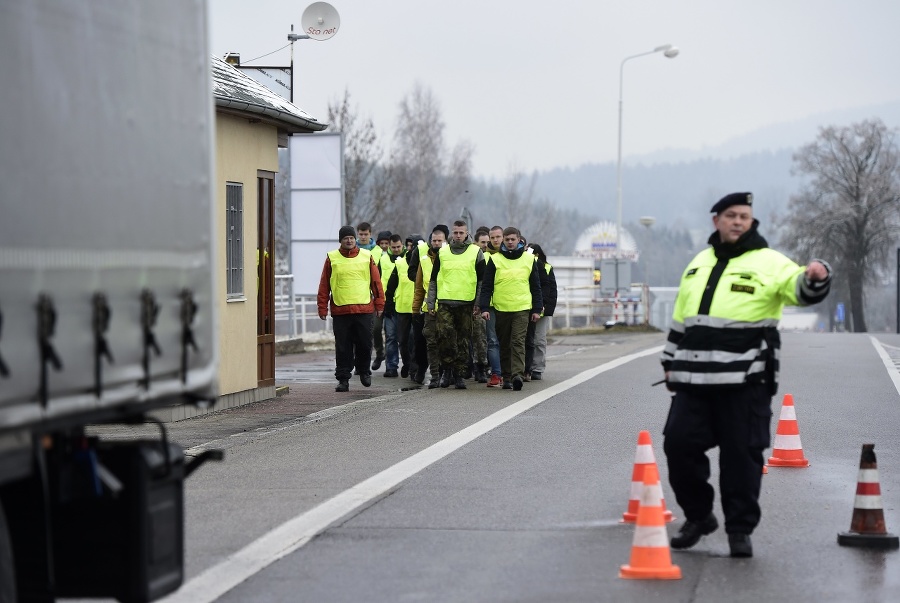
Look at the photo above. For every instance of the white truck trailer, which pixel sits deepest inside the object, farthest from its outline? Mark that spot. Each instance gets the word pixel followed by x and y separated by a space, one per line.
pixel 106 288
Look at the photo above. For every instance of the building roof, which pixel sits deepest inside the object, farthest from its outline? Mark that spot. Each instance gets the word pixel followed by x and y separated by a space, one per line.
pixel 237 93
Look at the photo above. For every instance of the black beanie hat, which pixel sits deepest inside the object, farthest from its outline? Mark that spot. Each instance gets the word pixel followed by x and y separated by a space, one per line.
pixel 415 238
pixel 444 229
pixel 732 199
pixel 384 235
pixel 346 231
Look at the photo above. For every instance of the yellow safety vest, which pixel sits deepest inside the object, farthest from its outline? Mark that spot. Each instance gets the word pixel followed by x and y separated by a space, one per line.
pixel 403 297
pixel 512 291
pixel 387 267
pixel 351 278
pixel 457 279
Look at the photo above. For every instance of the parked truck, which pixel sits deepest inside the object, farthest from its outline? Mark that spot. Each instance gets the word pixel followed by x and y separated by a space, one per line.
pixel 106 288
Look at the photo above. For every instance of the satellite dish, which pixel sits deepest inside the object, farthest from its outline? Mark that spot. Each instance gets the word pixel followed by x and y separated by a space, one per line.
pixel 320 21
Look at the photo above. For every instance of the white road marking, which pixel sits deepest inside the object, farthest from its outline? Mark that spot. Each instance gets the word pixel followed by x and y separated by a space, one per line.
pixel 294 533
pixel 888 362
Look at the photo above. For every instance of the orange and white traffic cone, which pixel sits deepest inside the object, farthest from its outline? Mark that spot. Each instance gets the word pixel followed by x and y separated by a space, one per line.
pixel 867 528
pixel 651 558
pixel 788 451
pixel 643 458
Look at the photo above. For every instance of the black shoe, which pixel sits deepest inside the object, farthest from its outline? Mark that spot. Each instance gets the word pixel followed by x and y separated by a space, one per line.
pixel 434 383
pixel 517 383
pixel 343 386
pixel 366 380
pixel 377 364
pixel 460 383
pixel 536 376
pixel 691 531
pixel 445 379
pixel 404 371
pixel 419 377
pixel 390 373
pixel 740 545
pixel 507 384
pixel 481 374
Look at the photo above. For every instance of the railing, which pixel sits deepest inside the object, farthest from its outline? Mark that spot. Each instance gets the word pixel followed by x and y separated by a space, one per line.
pixel 577 307
pixel 296 317
pixel 581 307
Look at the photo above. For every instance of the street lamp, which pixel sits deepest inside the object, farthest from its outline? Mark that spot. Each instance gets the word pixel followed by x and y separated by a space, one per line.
pixel 669 52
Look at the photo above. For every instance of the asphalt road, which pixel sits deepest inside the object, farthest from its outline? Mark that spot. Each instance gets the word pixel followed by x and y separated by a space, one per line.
pixel 492 495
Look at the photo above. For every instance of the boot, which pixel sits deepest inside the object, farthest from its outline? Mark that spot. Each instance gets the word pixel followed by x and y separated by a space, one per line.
pixel 445 378
pixel 343 386
pixel 691 532
pixel 460 383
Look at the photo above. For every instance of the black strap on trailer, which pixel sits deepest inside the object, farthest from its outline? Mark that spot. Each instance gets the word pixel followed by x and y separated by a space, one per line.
pixel 149 313
pixel 46 328
pixel 188 312
pixel 4 370
pixel 100 324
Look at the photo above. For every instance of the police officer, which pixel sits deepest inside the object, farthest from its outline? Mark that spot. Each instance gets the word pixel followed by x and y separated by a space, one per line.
pixel 721 360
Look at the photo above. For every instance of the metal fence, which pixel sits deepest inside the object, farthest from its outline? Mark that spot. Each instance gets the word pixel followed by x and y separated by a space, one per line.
pixel 577 307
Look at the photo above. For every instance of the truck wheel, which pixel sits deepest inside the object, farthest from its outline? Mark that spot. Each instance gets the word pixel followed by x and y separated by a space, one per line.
pixel 7 569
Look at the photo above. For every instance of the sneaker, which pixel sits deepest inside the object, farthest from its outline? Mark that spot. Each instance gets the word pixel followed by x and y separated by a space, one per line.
pixel 740 545
pixel 377 364
pixel 343 386
pixel 536 376
pixel 404 371
pixel 517 383
pixel 390 373
pixel 507 384
pixel 494 381
pixel 460 383
pixel 526 376
pixel 691 532
pixel 366 379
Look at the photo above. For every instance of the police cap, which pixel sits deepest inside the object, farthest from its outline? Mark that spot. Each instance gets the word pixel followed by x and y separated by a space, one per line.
pixel 732 199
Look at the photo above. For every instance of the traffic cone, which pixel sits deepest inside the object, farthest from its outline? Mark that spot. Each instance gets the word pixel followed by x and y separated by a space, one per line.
pixel 787 451
pixel 643 458
pixel 651 558
pixel 867 528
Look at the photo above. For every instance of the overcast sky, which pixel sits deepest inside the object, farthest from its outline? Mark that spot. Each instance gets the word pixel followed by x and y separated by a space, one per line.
pixel 535 85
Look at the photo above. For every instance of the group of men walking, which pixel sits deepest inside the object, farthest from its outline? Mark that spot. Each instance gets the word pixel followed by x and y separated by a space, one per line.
pixel 454 306
pixel 721 359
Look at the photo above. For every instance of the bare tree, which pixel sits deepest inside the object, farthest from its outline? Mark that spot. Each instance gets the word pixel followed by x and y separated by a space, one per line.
pixel 364 183
pixel 849 213
pixel 428 183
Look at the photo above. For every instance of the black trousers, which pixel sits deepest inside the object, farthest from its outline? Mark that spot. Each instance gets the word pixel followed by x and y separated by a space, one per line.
pixel 352 345
pixel 738 422
pixel 405 340
pixel 420 345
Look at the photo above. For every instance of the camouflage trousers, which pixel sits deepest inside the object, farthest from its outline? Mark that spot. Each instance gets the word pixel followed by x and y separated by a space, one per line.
pixel 430 333
pixel 454 330
pixel 479 341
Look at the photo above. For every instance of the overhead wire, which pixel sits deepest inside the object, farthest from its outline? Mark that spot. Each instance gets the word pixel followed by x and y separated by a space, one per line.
pixel 267 54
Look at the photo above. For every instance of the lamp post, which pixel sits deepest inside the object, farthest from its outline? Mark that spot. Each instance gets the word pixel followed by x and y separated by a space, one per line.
pixel 670 52
pixel 647 221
